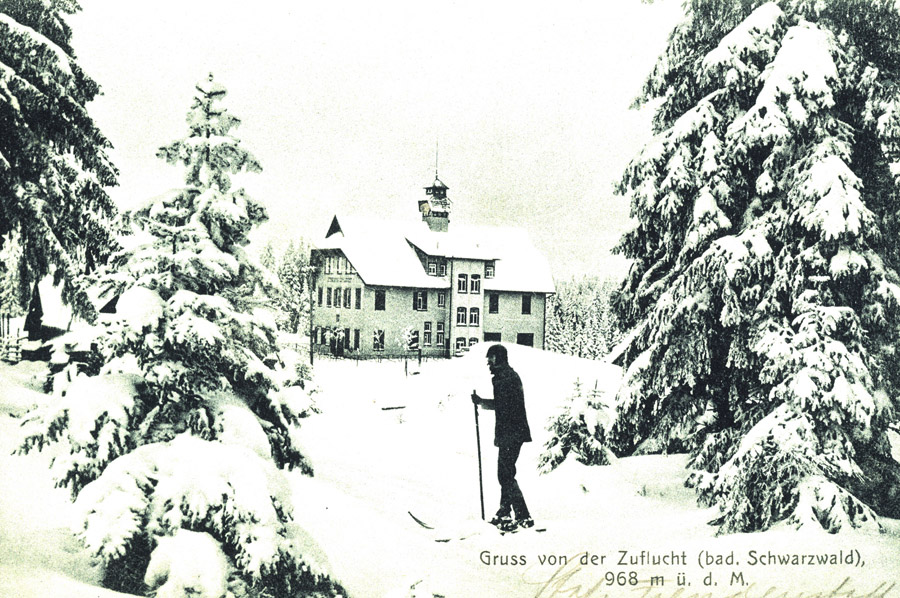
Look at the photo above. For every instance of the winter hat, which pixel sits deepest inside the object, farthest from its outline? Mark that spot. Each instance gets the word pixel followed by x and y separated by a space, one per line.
pixel 499 353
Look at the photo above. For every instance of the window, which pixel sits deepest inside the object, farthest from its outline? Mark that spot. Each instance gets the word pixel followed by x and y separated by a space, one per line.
pixel 337 297
pixel 432 269
pixel 346 339
pixel 328 302
pixel 442 299
pixel 315 337
pixel 473 341
pixel 439 338
pixel 356 339
pixel 475 284
pixel 347 297
pixel 460 343
pixel 328 265
pixel 525 338
pixel 489 270
pixel 420 300
pixel 474 317
pixel 526 304
pixel 379 304
pixel 462 283
pixel 358 298
pixel 494 303
pixel 426 340
pixel 378 340
pixel 340 265
pixel 492 337
pixel 443 268
pixel 320 296
pixel 460 316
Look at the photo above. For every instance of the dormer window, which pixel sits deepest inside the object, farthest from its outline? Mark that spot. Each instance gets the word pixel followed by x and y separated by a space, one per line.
pixel 489 270
pixel 432 268
pixel 462 283
pixel 443 268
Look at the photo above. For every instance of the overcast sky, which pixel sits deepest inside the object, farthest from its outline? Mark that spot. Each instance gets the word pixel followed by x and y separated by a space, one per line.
pixel 343 103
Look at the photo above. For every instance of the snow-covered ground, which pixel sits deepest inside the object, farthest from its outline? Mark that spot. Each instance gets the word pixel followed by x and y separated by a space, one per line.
pixel 387 444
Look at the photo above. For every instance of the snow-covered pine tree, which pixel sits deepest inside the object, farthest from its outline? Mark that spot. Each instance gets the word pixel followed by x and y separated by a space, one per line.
pixel 579 431
pixel 763 294
pixel 12 301
pixel 53 163
pixel 292 274
pixel 291 295
pixel 580 320
pixel 171 447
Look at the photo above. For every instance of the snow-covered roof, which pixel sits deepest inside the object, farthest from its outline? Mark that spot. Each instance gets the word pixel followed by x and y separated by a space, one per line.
pixel 383 254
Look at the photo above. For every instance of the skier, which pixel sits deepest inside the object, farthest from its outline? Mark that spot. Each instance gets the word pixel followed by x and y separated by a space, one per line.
pixel 510 432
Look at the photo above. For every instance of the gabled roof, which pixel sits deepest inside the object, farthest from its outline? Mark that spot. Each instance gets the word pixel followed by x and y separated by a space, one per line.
pixel 382 253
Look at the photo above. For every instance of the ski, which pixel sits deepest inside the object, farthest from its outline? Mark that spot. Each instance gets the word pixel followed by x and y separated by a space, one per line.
pixel 419 521
pixel 442 536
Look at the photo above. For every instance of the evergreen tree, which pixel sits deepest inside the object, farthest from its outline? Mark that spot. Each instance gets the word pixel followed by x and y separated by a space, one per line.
pixel 292 274
pixel 579 430
pixel 53 162
pixel 764 295
pixel 580 320
pixel 191 368
pixel 11 300
pixel 289 295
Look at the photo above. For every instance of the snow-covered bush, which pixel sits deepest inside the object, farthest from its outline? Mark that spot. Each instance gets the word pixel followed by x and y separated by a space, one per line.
pixel 579 431
pixel 205 507
pixel 193 370
pixel 763 298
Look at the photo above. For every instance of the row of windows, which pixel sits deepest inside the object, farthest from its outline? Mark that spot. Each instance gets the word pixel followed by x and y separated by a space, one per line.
pixel 340 297
pixel 352 298
pixel 439 268
pixel 350 339
pixel 338 265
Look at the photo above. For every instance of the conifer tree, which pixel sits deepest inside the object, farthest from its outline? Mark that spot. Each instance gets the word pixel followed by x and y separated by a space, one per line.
pixel 764 296
pixel 580 320
pixel 579 431
pixel 53 163
pixel 292 274
pixel 173 447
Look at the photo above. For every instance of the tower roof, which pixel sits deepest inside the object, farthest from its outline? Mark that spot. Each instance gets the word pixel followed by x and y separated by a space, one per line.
pixel 437 184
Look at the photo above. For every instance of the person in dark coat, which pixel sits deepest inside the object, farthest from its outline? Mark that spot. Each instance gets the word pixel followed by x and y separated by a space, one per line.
pixel 510 432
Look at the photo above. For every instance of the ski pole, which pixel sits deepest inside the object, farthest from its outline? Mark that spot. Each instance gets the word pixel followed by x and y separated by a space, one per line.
pixel 478 444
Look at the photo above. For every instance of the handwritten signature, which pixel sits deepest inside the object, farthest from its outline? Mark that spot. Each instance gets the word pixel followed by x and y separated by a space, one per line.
pixel 571 581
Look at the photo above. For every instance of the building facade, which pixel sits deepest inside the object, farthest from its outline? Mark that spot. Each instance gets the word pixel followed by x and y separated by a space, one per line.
pixel 388 289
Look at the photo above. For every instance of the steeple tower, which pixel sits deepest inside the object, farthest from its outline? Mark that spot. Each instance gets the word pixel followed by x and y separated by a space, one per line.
pixel 435 207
